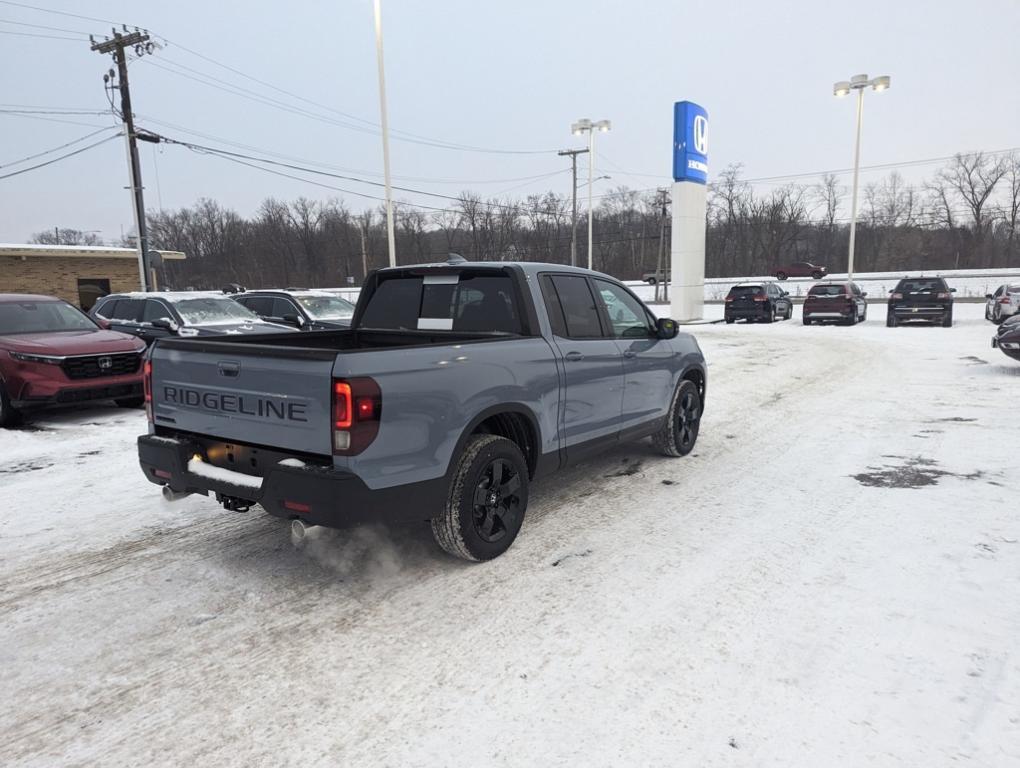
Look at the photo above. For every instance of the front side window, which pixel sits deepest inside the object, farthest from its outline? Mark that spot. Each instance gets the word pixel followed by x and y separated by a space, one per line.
pixel 154 310
pixel 210 310
pixel 42 317
pixel 626 314
pixel 326 307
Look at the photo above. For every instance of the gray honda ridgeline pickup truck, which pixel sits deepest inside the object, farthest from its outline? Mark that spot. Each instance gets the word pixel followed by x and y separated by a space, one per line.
pixel 456 385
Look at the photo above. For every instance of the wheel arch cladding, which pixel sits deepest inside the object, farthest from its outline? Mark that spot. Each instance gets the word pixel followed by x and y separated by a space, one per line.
pixel 512 421
pixel 698 377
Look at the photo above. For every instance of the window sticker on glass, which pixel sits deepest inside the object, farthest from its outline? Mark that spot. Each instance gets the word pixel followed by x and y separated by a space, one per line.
pixel 437 302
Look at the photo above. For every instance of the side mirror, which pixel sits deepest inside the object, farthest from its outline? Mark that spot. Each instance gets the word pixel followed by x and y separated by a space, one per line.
pixel 666 328
pixel 989 296
pixel 296 320
pixel 952 290
pixel 892 290
pixel 166 324
pixel 864 293
pixel 105 324
pixel 785 293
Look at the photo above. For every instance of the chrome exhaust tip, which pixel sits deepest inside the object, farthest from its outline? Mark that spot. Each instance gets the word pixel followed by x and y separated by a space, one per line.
pixel 171 495
pixel 299 531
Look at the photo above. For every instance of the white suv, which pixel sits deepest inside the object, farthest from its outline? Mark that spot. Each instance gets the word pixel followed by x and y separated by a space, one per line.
pixel 1004 303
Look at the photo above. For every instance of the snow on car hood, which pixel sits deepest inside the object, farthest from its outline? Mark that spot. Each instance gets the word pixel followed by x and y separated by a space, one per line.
pixel 85 342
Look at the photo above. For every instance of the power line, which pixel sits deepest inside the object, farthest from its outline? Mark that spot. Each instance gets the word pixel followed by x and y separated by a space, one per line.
pixel 58 13
pixel 51 119
pixel 43 26
pixel 62 157
pixel 45 37
pixel 56 149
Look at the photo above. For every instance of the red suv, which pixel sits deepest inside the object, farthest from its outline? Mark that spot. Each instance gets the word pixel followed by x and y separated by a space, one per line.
pixel 835 302
pixel 53 353
pixel 800 269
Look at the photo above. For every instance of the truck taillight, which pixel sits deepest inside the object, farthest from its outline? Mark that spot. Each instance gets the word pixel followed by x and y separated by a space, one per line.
pixel 147 387
pixel 357 405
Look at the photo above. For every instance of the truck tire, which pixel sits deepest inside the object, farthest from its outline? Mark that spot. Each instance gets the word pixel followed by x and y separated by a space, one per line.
pixel 9 416
pixel 947 319
pixel 680 432
pixel 487 500
pixel 891 321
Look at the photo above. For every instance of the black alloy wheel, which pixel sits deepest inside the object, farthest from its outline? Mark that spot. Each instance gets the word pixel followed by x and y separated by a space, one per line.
pixel 497 503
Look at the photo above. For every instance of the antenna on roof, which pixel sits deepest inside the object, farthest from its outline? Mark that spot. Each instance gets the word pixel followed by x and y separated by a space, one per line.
pixel 455 258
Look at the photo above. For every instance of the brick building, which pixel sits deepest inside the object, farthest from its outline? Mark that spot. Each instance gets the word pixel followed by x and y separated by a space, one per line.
pixel 79 274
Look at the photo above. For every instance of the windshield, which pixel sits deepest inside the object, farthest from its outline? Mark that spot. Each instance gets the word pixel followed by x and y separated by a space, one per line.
pixel 326 307
pixel 921 286
pixel 210 310
pixel 824 291
pixel 42 317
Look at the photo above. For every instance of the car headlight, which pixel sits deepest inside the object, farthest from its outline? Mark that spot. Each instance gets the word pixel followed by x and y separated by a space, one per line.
pixel 27 358
pixel 1010 344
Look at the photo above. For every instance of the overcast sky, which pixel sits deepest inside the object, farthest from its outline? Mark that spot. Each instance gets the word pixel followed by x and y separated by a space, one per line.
pixel 503 76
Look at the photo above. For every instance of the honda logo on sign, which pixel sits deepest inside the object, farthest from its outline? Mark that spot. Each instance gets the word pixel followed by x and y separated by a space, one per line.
pixel 701 135
pixel 105 363
pixel 690 142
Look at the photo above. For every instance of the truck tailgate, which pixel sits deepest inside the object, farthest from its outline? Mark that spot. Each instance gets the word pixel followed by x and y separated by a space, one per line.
pixel 262 395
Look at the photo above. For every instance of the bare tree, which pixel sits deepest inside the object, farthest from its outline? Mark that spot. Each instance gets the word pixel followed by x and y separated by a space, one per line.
pixel 61 236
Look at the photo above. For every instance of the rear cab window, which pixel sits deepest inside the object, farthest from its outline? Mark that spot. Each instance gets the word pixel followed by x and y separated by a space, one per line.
pixel 467 302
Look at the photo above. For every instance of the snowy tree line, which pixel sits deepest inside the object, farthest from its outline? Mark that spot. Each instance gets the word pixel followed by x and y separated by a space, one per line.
pixel 966 214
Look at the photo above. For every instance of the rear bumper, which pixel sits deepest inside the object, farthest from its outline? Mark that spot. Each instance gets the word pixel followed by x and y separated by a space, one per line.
pixel 739 313
pixel 906 312
pixel 315 494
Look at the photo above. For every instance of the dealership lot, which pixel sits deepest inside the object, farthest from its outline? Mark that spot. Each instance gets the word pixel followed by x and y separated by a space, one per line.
pixel 829 579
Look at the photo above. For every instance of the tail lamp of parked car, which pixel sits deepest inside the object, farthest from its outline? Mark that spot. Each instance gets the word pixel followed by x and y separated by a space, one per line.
pixel 760 297
pixel 897 295
pixel 147 388
pixel 943 295
pixel 357 406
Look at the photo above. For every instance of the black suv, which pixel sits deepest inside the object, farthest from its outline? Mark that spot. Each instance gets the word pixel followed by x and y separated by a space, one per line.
pixel 926 299
pixel 758 302
pixel 301 308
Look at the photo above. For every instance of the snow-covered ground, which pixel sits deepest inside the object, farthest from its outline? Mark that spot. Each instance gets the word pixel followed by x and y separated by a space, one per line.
pixel 830 579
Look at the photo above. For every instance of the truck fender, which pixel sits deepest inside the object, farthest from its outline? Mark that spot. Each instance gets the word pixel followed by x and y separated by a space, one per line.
pixel 533 454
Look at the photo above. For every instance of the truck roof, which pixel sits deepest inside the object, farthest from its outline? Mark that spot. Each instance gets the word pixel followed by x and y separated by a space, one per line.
pixel 530 268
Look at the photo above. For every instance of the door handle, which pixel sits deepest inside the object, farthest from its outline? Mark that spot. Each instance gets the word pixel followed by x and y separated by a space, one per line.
pixel 630 353
pixel 573 356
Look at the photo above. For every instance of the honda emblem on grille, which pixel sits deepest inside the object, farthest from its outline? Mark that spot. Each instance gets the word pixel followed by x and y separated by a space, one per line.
pixel 105 363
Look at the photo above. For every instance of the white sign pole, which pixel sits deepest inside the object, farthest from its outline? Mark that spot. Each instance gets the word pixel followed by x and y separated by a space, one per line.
pixel 687 251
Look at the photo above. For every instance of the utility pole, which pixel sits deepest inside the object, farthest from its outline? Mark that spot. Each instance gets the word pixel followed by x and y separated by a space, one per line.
pixel 662 200
pixel 573 211
pixel 390 237
pixel 139 41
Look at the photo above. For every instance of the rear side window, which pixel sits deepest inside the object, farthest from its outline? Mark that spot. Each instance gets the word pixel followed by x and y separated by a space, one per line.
pixel 823 291
pixel 580 312
pixel 260 305
pixel 106 308
pixel 553 308
pixel 127 309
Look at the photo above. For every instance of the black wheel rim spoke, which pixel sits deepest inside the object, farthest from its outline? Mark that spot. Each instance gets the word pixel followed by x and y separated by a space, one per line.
pixel 496 500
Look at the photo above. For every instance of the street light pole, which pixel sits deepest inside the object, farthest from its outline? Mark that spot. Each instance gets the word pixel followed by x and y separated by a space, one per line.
pixel 582 126
pixel 842 88
pixel 391 239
